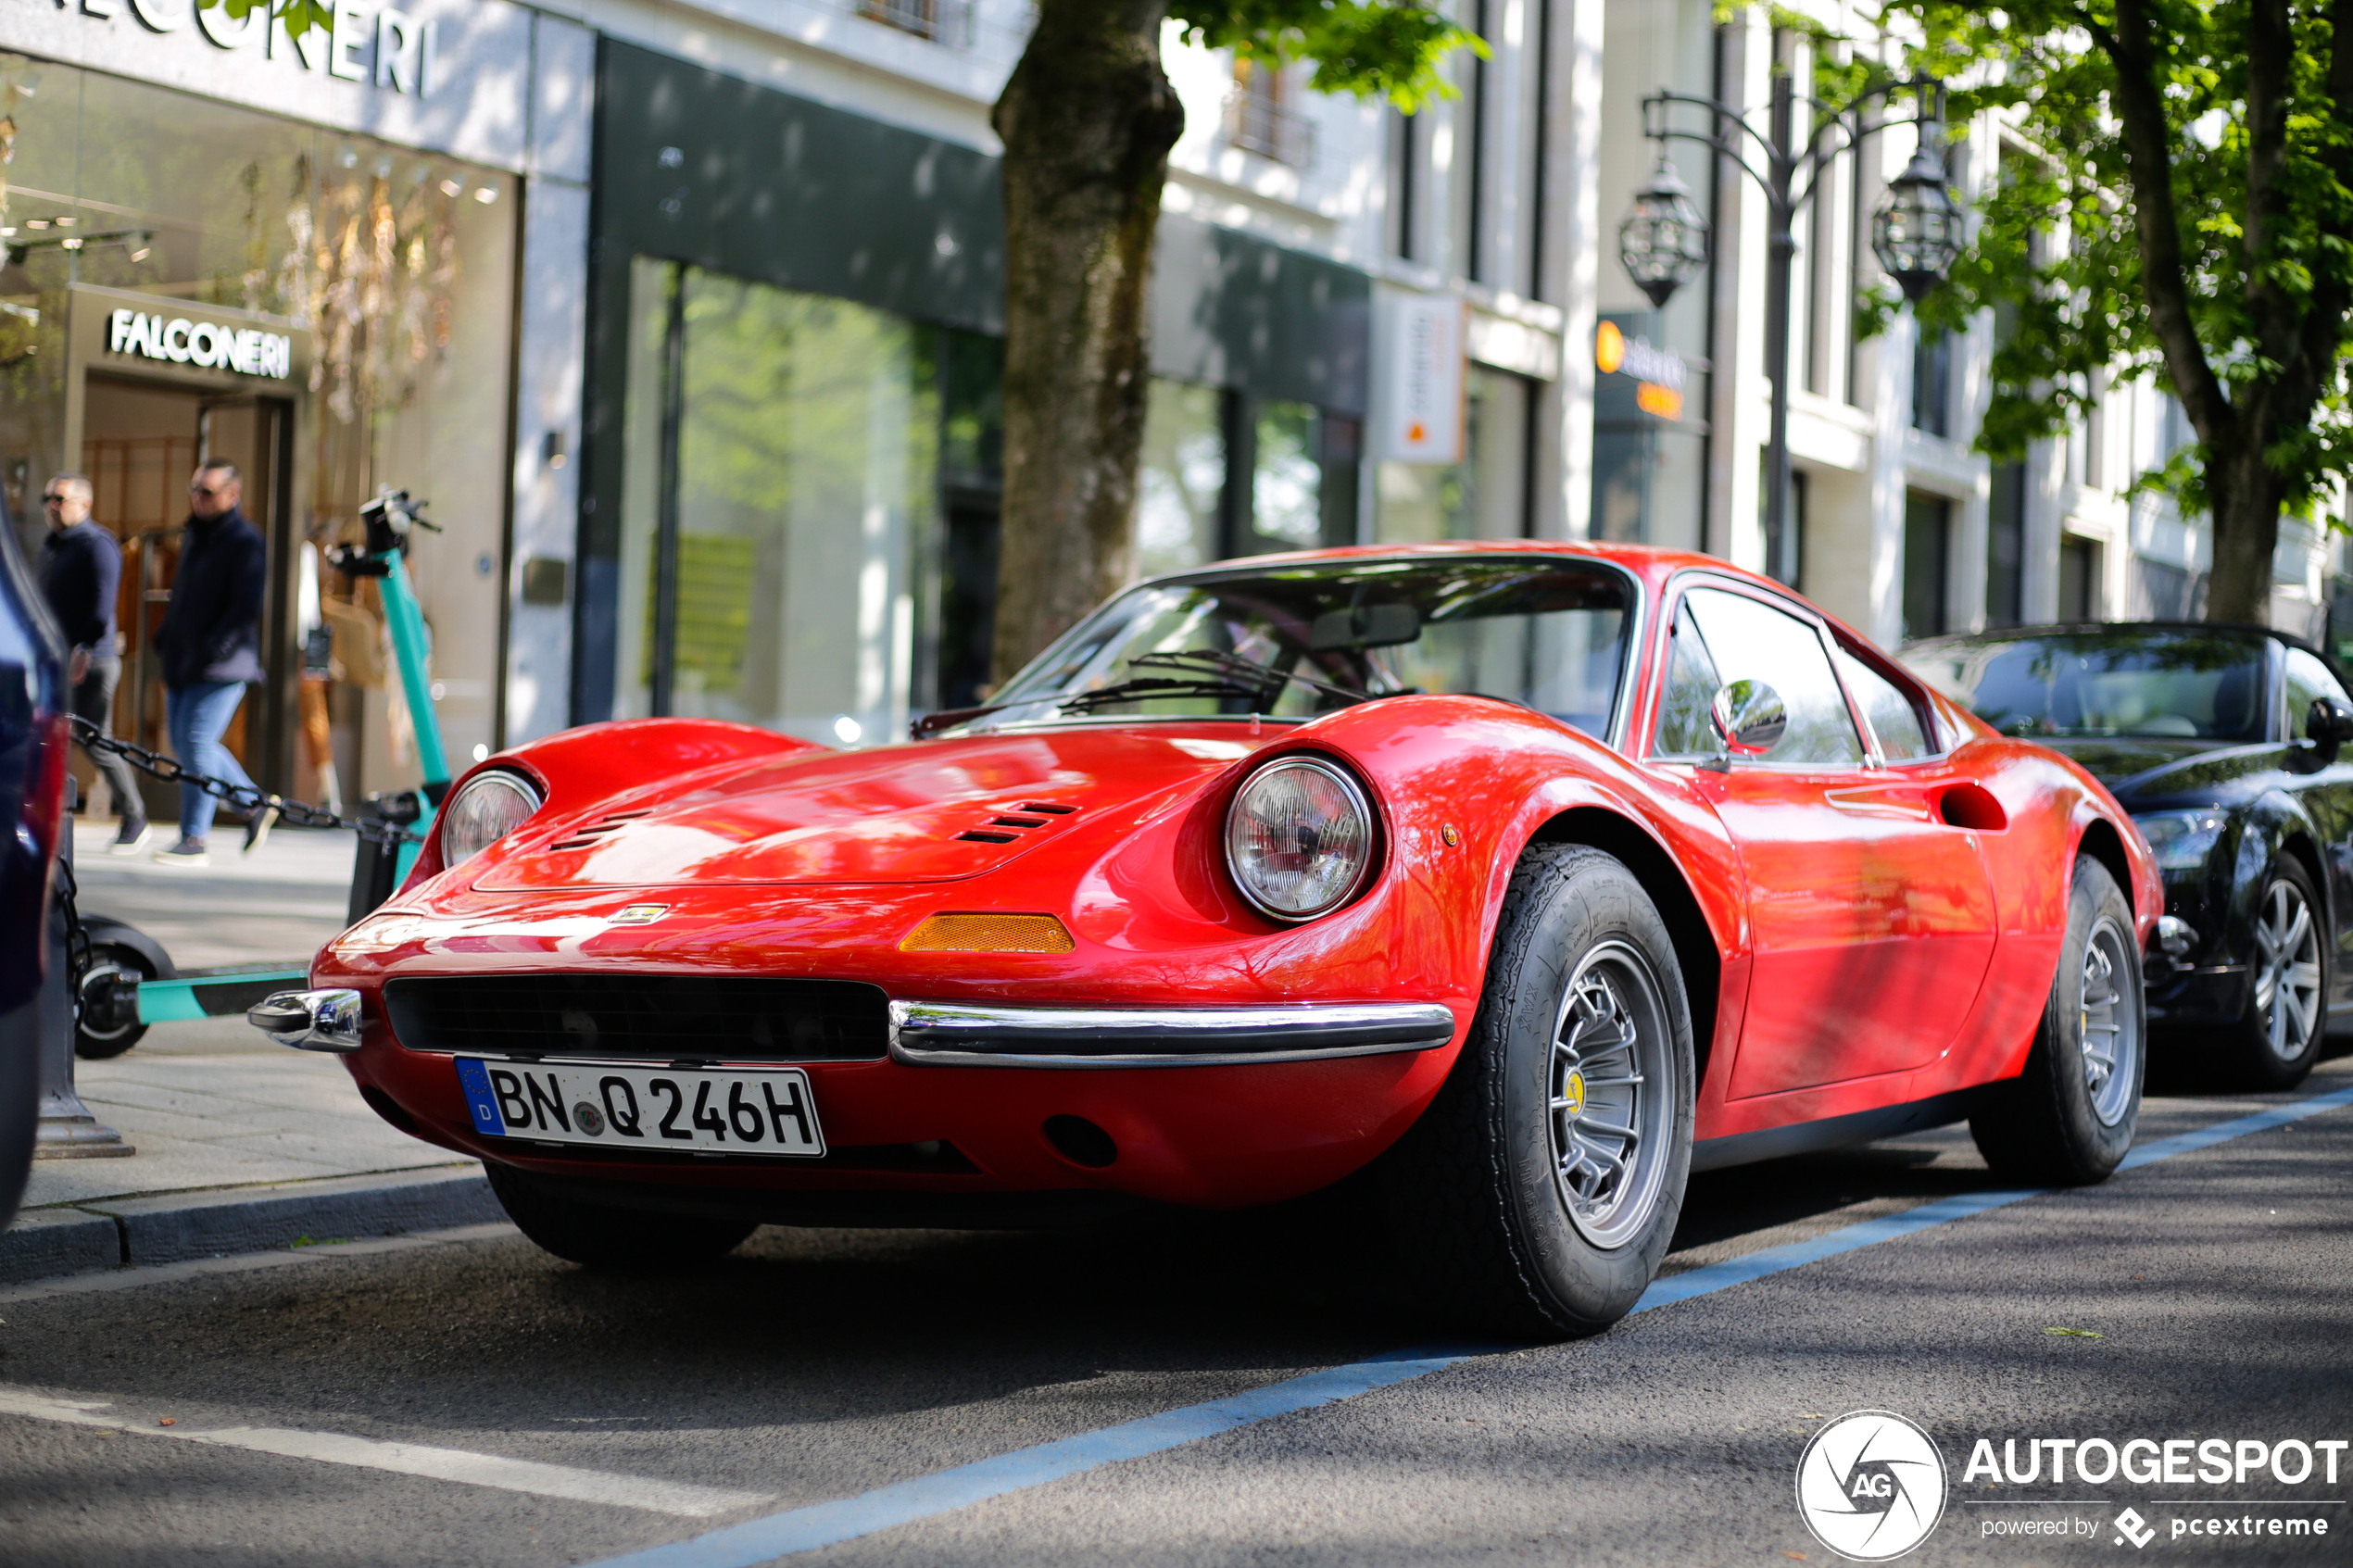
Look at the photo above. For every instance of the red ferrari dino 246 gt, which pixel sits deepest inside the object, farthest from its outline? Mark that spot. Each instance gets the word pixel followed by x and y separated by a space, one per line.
pixel 1531 876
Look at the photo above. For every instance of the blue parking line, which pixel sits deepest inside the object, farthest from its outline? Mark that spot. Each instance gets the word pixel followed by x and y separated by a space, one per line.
pixel 828 1524
pixel 2222 1132
pixel 803 1529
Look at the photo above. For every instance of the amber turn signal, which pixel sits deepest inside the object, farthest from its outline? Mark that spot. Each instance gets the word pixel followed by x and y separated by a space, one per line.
pixel 988 934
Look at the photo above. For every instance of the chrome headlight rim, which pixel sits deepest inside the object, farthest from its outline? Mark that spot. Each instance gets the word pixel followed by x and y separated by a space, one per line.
pixel 1359 799
pixel 522 786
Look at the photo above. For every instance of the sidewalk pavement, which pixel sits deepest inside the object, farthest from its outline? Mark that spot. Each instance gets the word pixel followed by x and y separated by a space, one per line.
pixel 240 1143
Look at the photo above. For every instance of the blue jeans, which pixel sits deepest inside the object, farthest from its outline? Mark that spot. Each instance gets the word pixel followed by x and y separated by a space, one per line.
pixel 197 716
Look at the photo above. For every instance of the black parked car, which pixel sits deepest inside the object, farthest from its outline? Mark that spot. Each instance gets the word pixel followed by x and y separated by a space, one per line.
pixel 33 788
pixel 2228 745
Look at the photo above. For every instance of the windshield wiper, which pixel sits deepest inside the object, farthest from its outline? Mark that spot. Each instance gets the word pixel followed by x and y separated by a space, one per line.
pixel 1145 687
pixel 1204 672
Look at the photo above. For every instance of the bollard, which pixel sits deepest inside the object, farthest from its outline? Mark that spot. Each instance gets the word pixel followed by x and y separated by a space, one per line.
pixel 376 872
pixel 66 1130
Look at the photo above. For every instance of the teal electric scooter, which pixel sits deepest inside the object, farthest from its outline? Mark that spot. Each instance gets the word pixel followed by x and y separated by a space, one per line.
pixel 133 984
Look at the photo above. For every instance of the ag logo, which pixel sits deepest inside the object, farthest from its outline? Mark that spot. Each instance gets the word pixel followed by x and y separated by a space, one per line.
pixel 1870 1485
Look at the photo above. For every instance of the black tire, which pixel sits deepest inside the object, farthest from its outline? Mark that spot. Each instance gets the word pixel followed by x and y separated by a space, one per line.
pixel 1504 1235
pixel 2070 1117
pixel 2279 1039
pixel 99 1044
pixel 608 1238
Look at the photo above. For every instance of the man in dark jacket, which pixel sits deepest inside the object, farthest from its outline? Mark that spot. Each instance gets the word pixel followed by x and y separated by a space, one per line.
pixel 81 566
pixel 211 647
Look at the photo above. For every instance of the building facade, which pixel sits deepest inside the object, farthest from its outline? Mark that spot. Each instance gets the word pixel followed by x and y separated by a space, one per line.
pixel 341 261
pixel 688 317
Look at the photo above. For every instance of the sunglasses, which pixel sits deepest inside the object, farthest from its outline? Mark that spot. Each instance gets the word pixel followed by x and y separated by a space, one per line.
pixel 210 489
pixel 51 499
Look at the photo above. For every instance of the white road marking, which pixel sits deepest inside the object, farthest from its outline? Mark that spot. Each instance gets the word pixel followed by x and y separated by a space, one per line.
pixel 681 1497
pixel 237 1262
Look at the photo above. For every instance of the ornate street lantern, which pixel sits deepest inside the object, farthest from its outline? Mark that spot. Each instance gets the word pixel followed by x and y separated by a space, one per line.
pixel 1663 239
pixel 1917 230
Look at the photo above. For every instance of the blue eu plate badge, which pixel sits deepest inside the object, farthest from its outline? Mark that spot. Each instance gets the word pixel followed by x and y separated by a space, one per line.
pixel 474 1078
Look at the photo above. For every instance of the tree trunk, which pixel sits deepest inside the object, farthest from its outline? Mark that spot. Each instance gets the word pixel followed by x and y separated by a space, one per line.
pixel 2242 497
pixel 1088 118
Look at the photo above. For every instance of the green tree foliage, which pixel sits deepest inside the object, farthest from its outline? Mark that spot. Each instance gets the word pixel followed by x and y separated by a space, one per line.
pixel 300 16
pixel 2182 207
pixel 1365 48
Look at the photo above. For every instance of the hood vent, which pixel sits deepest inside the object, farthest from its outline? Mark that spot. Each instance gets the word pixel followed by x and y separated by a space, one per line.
pixel 580 838
pixel 1033 814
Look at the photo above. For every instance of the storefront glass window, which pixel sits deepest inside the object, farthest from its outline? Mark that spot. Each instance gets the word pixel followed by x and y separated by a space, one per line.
pixel 1483 495
pixel 1287 477
pixel 783 449
pixel 1183 478
pixel 390 274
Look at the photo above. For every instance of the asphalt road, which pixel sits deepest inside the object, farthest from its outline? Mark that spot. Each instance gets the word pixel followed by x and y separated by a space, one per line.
pixel 593 1417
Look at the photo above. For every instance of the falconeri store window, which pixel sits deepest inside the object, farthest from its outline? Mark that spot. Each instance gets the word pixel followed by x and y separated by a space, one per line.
pixel 330 312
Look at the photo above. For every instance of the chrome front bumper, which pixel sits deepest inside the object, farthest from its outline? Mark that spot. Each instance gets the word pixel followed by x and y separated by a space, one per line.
pixel 310 1021
pixel 957 1035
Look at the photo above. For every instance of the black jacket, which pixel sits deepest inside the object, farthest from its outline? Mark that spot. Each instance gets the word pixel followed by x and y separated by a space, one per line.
pixel 212 627
pixel 79 569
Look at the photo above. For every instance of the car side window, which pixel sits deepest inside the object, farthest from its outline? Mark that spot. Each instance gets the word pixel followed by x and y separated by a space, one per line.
pixel 1902 736
pixel 2307 680
pixel 1723 636
pixel 1692 682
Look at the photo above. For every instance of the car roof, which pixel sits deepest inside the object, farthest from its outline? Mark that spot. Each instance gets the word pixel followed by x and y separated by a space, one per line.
pixel 1652 563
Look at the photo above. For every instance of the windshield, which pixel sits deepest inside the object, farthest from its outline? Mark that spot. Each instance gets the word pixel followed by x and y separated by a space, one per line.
pixel 2160 683
pixel 1294 642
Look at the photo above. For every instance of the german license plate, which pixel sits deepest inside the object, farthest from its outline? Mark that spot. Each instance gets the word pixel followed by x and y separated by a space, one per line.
pixel 766 1112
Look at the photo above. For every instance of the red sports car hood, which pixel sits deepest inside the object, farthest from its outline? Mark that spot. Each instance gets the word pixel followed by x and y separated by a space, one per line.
pixel 933 812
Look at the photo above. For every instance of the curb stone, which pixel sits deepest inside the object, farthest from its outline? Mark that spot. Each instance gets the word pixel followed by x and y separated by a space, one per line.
pixel 178 1226
pixel 58 1241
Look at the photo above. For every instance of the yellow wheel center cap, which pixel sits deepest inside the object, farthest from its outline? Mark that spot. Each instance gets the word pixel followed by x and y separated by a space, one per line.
pixel 1573 1093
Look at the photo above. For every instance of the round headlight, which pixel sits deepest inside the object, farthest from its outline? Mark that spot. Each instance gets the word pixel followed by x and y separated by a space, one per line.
pixel 1299 838
pixel 486 810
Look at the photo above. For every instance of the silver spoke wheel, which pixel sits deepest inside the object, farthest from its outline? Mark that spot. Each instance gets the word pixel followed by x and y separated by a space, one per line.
pixel 1610 1087
pixel 2287 969
pixel 2110 1025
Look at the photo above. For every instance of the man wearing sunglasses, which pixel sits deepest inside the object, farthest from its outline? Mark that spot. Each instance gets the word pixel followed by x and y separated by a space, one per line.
pixel 81 567
pixel 211 646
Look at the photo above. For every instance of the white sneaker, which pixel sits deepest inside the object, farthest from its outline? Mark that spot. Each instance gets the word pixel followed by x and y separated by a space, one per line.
pixel 132 844
pixel 187 853
pixel 258 830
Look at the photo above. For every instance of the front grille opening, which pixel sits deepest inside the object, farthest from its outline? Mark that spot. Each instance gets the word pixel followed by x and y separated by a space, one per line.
pixel 659 1017
pixel 977 836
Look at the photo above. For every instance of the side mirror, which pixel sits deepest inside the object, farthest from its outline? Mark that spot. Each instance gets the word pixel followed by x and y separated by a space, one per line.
pixel 2329 723
pixel 1748 718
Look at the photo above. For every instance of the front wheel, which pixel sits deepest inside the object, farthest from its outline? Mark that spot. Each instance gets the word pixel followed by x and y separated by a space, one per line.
pixel 1537 1195
pixel 2274 1046
pixel 2069 1118
pixel 106 1021
pixel 603 1236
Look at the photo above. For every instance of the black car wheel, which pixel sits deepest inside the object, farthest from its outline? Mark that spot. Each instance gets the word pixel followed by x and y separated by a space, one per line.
pixel 2069 1118
pixel 599 1235
pixel 1537 1194
pixel 2274 1046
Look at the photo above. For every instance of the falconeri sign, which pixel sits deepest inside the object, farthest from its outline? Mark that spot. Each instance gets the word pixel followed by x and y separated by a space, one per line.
pixel 356 42
pixel 249 351
pixel 444 76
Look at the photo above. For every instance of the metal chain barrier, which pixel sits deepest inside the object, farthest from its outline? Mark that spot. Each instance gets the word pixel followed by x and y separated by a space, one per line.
pixel 242 797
